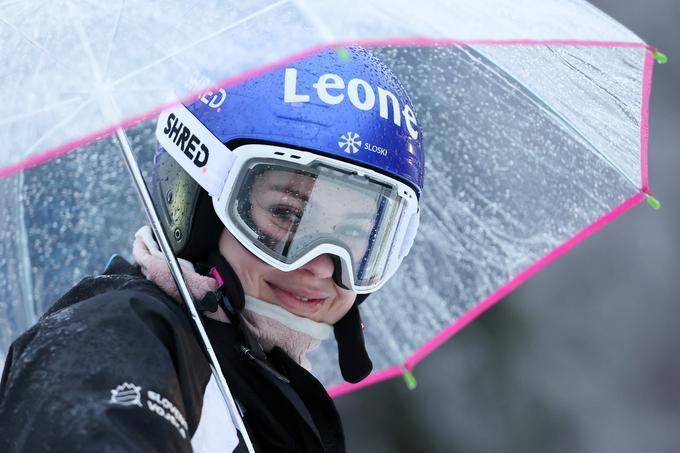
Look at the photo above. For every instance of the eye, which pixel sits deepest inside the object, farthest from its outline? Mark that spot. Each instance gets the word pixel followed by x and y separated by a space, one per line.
pixel 286 215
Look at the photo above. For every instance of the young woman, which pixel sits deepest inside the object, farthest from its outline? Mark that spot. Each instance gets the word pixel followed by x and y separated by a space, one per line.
pixel 289 198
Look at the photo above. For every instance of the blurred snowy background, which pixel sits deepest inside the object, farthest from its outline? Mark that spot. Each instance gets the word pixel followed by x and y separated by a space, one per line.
pixel 583 357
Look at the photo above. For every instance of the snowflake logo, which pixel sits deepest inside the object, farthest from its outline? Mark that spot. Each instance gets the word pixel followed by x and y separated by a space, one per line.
pixel 350 142
pixel 127 394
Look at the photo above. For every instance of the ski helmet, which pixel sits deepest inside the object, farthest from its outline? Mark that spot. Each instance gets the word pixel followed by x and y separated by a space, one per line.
pixel 332 124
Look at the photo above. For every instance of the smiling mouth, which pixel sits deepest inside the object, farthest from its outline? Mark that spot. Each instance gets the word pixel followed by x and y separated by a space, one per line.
pixel 296 302
pixel 299 297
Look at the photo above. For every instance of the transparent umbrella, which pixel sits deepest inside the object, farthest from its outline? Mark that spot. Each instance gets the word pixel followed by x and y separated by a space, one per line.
pixel 534 117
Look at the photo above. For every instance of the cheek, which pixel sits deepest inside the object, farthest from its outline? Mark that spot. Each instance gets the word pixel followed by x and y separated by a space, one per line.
pixel 341 306
pixel 248 268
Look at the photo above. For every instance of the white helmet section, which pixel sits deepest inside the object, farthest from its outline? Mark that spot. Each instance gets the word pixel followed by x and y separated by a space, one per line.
pixel 195 148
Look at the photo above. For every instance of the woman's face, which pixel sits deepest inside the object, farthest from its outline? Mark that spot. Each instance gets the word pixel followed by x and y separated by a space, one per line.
pixel 308 291
pixel 285 206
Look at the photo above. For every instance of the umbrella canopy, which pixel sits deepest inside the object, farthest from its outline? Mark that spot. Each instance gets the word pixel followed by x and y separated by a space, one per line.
pixel 534 117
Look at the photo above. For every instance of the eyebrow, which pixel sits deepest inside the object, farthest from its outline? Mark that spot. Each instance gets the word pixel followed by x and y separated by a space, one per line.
pixel 291 191
pixel 301 196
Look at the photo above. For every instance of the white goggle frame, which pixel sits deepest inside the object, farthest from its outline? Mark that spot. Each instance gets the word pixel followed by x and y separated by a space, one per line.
pixel 218 174
pixel 402 238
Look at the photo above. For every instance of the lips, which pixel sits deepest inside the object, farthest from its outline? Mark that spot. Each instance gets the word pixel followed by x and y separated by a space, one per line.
pixel 299 300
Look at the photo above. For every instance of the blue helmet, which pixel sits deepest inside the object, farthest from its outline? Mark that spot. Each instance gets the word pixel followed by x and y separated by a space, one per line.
pixel 346 105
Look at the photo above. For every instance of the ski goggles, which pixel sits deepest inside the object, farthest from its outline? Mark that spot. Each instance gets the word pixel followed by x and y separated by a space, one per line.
pixel 288 207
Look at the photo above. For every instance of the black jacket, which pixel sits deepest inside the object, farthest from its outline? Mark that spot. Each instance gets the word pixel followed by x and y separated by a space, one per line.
pixel 114 366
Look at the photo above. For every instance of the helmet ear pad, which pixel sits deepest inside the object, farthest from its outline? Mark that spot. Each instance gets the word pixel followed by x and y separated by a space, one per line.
pixel 186 211
pixel 205 230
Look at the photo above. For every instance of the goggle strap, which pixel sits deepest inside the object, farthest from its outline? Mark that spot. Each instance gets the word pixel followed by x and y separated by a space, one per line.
pixel 201 154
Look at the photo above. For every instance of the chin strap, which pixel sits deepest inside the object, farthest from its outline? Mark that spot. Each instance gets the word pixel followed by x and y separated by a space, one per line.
pixel 353 358
pixel 231 287
pixel 355 364
pixel 231 298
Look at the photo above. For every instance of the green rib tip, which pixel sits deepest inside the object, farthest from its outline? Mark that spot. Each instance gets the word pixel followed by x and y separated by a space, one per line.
pixel 343 54
pixel 660 57
pixel 653 202
pixel 410 380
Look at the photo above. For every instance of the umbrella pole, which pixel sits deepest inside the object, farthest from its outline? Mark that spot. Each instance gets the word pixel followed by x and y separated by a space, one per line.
pixel 157 228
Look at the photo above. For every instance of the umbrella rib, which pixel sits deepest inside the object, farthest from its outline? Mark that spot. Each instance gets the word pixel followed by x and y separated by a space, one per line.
pixel 9 2
pixel 32 42
pixel 204 39
pixel 25 280
pixel 55 127
pixel 553 114
pixel 11 119
pixel 116 27
pixel 326 32
pixel 87 49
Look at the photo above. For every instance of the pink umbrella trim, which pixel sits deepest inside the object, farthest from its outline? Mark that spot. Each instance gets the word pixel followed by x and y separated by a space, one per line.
pixel 490 301
pixel 487 303
pixel 494 298
pixel 53 153
pixel 644 122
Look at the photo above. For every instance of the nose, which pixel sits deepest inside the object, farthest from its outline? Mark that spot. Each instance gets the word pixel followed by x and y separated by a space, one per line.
pixel 320 267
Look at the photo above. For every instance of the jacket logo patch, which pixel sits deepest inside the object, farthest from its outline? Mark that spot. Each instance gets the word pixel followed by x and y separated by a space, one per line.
pixel 164 408
pixel 128 394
